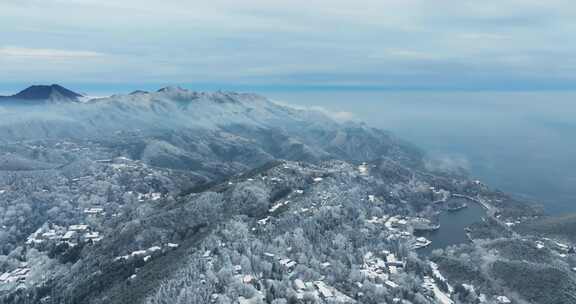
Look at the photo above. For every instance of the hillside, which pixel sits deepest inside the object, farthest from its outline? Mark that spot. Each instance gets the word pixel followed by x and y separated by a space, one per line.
pixel 562 227
pixel 181 128
pixel 178 196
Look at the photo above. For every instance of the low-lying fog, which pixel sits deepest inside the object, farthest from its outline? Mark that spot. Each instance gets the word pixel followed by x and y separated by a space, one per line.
pixel 521 142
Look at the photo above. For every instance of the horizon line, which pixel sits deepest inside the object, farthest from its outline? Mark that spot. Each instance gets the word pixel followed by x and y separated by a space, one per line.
pixel 120 88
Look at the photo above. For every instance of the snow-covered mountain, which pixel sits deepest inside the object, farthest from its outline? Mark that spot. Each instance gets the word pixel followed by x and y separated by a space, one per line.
pixel 187 197
pixel 42 94
pixel 178 128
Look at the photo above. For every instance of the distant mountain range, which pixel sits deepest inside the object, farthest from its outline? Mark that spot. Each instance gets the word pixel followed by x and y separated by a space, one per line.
pixel 205 131
pixel 43 93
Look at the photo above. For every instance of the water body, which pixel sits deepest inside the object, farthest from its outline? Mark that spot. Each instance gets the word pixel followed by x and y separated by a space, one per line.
pixel 452 225
pixel 520 142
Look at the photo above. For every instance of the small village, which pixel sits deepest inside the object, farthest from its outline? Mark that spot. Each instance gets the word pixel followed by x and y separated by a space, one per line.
pixel 17 275
pixel 146 254
pixel 73 235
pixel 382 268
pixel 51 236
pixel 55 235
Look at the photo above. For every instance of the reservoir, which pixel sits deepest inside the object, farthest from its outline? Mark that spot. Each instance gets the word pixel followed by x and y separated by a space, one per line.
pixel 452 225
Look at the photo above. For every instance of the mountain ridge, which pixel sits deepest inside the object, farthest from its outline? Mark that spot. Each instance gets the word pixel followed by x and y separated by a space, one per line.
pixel 222 123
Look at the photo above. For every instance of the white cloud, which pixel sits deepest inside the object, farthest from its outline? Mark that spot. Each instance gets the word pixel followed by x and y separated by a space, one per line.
pixel 447 163
pixel 10 51
pixel 312 42
pixel 334 114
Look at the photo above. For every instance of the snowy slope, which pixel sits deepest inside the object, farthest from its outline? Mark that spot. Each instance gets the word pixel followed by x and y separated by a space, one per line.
pixel 188 128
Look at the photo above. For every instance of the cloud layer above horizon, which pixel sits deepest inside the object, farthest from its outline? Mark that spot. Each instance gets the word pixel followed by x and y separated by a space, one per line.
pixel 515 44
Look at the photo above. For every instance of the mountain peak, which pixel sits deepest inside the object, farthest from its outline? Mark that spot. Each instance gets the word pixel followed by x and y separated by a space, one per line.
pixel 172 89
pixel 46 92
pixel 139 92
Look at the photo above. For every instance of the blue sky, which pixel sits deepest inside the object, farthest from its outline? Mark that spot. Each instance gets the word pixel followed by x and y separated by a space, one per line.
pixel 293 45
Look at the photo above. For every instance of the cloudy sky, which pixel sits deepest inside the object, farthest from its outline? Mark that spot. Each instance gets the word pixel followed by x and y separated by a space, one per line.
pixel 297 44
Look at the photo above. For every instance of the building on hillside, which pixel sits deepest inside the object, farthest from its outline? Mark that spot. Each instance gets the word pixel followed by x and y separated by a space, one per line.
pixel 503 300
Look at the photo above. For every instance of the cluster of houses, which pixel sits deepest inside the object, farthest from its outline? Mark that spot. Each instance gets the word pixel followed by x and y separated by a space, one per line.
pixel 559 248
pixel 397 224
pixel 402 228
pixel 313 288
pixel 379 270
pixel 146 254
pixel 503 300
pixel 393 263
pixel 15 276
pixel 55 235
pixel 439 195
pixel 94 211
pixel 150 196
pixel 285 263
pixel 248 279
pixel 363 169
pixel 320 289
pixel 374 268
pixel 120 163
pixel 52 234
pixel 423 224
